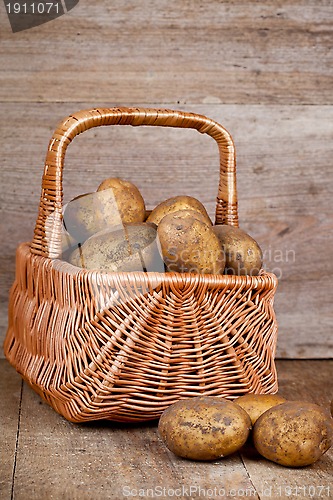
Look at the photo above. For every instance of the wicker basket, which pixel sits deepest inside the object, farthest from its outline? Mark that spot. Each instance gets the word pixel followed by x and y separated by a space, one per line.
pixel 124 346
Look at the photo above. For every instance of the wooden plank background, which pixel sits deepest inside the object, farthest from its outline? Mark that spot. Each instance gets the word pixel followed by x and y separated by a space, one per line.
pixel 265 71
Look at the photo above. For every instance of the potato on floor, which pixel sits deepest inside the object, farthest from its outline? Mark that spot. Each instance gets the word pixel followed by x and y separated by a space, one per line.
pixel 204 428
pixel 256 404
pixel 294 434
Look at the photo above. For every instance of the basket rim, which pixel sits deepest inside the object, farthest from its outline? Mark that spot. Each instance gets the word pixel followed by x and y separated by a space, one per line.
pixel 265 279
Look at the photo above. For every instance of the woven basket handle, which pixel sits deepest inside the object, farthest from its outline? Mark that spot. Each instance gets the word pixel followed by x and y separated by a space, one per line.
pixel 47 235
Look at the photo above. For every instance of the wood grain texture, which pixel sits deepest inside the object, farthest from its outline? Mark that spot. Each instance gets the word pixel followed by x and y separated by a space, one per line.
pixel 104 460
pixel 10 391
pixel 285 185
pixel 57 459
pixel 175 52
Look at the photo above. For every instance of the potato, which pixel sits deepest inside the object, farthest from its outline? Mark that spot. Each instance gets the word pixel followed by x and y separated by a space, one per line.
pixel 174 205
pixel 243 254
pixel 132 248
pixel 128 198
pixel 82 216
pixel 115 202
pixel 256 404
pixel 294 434
pixel 188 244
pixel 204 428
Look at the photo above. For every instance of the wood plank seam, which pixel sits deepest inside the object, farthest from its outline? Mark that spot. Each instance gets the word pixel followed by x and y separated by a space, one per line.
pixel 249 476
pixel 152 103
pixel 17 441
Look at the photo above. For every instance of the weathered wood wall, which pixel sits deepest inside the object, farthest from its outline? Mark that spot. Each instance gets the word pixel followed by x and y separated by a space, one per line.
pixel 262 69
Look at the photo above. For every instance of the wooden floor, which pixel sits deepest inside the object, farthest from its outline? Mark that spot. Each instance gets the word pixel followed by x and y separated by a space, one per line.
pixel 45 457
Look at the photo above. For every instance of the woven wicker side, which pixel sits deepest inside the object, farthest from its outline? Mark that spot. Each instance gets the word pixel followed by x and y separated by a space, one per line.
pixel 126 346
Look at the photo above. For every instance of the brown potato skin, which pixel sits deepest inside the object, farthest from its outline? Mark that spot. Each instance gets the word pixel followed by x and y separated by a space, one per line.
pixel 256 404
pixel 83 217
pixel 175 204
pixel 293 434
pixel 204 428
pixel 132 248
pixel 243 254
pixel 115 202
pixel 129 200
pixel 189 245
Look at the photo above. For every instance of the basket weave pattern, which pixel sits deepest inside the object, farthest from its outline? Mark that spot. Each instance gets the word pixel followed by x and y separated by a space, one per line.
pixel 124 346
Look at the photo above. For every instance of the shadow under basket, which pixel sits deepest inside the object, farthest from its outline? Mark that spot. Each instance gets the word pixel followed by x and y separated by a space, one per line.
pixel 125 346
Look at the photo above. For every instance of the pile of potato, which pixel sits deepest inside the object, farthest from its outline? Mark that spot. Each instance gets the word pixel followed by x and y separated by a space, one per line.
pixel 290 433
pixel 110 230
